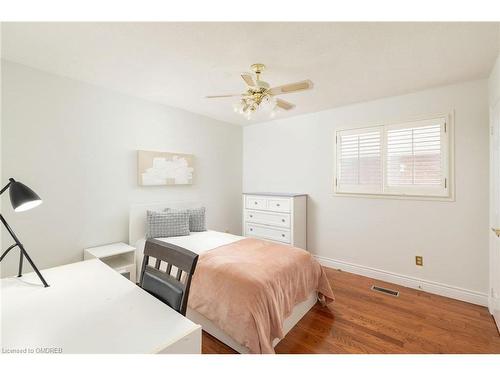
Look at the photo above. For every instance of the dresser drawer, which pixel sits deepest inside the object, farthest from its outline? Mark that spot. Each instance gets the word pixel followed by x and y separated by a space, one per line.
pixel 279 205
pixel 256 203
pixel 268 218
pixel 275 234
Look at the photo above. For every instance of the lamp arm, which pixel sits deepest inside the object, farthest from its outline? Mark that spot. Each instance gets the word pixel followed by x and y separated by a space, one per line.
pixel 5 188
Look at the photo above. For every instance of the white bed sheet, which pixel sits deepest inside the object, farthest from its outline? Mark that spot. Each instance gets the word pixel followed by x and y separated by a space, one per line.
pixel 197 242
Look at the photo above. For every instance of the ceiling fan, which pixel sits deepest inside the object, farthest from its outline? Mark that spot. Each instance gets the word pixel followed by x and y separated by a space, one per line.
pixel 260 94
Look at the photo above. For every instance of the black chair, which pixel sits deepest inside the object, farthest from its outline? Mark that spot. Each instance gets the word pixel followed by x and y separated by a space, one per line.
pixel 159 282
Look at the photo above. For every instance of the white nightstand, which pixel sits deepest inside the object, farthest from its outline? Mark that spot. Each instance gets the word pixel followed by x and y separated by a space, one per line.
pixel 119 256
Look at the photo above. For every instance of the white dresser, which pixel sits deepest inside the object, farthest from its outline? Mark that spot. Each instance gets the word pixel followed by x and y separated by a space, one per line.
pixel 280 217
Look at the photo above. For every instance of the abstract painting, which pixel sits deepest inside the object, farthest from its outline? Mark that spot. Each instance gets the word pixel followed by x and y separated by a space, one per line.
pixel 164 168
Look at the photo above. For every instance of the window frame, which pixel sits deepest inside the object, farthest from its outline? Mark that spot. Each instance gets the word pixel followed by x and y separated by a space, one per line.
pixel 445 192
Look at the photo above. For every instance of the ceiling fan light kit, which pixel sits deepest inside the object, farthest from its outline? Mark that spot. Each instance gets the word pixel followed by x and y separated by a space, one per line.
pixel 260 97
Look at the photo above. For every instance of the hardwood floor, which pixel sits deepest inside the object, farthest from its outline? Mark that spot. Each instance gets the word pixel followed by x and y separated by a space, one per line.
pixel 364 321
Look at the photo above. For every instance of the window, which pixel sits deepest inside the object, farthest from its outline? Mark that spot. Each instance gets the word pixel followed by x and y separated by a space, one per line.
pixel 399 159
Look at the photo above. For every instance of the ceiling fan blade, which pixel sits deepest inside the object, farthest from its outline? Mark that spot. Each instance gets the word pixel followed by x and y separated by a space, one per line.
pixel 221 96
pixel 291 87
pixel 284 104
pixel 247 77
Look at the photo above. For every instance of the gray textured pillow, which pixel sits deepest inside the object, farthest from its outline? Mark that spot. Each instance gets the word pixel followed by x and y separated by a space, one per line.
pixel 197 219
pixel 167 224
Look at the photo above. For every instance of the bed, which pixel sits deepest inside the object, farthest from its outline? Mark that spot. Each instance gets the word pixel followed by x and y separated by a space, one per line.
pixel 201 243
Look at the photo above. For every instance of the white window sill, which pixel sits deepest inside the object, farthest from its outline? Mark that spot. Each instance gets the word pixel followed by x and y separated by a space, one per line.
pixel 450 198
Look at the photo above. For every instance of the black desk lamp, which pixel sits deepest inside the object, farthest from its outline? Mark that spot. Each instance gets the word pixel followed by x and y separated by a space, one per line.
pixel 22 198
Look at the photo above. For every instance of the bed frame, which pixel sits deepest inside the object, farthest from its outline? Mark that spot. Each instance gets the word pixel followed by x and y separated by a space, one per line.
pixel 137 228
pixel 208 326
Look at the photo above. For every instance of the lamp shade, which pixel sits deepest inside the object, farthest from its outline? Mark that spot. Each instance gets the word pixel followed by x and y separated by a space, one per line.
pixel 22 197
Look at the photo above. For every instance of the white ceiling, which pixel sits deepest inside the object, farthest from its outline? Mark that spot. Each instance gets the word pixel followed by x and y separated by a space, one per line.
pixel 179 63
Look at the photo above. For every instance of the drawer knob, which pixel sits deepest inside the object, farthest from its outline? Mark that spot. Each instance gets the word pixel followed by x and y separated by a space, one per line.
pixel 283 220
pixel 277 204
pixel 282 234
pixel 251 215
pixel 251 229
pixel 254 202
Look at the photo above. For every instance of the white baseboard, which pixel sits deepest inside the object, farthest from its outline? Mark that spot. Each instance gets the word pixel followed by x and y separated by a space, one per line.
pixel 461 294
pixel 496 317
pixel 494 307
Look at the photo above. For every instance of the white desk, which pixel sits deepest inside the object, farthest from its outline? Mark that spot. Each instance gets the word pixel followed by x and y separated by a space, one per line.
pixel 89 308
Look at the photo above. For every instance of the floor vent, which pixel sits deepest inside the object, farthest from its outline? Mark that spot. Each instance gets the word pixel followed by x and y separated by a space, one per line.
pixel 391 292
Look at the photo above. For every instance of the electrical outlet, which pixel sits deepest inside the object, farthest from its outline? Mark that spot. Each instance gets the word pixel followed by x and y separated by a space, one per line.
pixel 419 260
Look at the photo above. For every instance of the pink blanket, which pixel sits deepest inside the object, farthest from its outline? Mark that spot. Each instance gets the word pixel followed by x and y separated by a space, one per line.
pixel 248 288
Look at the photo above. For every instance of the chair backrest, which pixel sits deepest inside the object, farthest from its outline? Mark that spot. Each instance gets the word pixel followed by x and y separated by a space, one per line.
pixel 158 280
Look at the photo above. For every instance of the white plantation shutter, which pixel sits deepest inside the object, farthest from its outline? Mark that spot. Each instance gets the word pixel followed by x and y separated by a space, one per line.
pixel 359 160
pixel 401 159
pixel 415 161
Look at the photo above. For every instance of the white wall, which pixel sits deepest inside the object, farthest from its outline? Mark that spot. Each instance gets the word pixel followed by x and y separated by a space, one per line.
pixel 75 145
pixel 296 155
pixel 494 83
